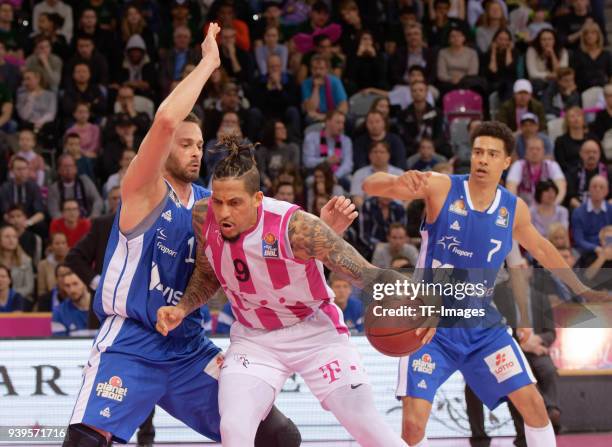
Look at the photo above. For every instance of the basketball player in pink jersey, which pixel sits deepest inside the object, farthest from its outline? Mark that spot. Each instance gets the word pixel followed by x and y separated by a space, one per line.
pixel 268 257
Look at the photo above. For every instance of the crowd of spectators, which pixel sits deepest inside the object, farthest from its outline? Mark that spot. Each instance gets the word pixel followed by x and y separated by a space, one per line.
pixel 80 81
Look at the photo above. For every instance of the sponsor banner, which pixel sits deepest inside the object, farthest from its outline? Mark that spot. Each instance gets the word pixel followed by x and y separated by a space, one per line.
pixel 39 380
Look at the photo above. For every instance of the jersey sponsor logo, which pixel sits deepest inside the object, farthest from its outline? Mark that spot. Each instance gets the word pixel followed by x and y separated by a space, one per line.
pixel 422 384
pixel 458 207
pixel 171 296
pixel 106 412
pixel 161 234
pixel 166 250
pixel 453 244
pixel 455 226
pixel 269 246
pixel 424 364
pixel 503 364
pixel 167 215
pixel 112 389
pixel 331 371
pixel 503 217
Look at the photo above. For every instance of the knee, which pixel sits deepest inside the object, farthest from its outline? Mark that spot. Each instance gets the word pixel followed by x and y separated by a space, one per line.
pixel 534 411
pixel 413 427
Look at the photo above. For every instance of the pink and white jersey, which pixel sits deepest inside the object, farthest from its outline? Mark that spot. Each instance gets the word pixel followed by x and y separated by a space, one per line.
pixel 267 287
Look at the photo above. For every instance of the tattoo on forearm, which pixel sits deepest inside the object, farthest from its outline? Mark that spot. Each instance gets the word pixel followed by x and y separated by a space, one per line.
pixel 311 238
pixel 203 283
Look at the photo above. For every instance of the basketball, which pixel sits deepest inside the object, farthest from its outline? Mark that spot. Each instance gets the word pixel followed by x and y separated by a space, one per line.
pixel 391 327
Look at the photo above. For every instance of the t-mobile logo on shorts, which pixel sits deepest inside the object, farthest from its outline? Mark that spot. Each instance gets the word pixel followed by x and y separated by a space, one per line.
pixel 331 371
pixel 503 364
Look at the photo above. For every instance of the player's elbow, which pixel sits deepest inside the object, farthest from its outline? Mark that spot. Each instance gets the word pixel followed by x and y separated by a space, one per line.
pixel 165 121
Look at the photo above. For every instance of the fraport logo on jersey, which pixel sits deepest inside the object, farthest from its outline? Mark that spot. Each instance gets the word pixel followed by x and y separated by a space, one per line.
pixel 424 364
pixel 113 389
pixel 269 246
pixel 453 244
pixel 503 364
pixel 503 217
pixel 458 207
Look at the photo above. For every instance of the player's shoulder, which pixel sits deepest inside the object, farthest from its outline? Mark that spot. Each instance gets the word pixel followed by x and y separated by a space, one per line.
pixel 200 192
pixel 278 206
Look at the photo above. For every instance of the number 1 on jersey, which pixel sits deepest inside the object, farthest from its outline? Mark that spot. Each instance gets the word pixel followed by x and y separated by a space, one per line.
pixel 191 242
pixel 496 247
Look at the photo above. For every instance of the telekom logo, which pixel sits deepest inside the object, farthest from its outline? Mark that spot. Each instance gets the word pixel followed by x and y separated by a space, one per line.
pixel 499 359
pixel 330 370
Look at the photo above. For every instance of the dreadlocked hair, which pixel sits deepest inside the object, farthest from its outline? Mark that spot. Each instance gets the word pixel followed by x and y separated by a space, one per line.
pixel 238 163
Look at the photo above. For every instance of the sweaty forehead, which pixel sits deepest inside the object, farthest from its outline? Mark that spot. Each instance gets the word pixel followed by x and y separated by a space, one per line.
pixel 228 189
pixel 188 130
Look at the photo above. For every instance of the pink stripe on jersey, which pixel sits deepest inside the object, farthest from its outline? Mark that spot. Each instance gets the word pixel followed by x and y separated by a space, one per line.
pixel 268 318
pixel 300 310
pixel 332 312
pixel 277 270
pixel 240 317
pixel 237 251
pixel 316 284
pixel 283 229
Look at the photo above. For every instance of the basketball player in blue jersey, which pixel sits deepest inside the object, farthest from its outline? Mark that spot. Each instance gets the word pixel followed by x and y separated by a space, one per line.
pixel 469 226
pixel 148 263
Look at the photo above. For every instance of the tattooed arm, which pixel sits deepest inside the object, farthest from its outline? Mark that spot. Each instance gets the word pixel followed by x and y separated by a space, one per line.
pixel 310 238
pixel 203 282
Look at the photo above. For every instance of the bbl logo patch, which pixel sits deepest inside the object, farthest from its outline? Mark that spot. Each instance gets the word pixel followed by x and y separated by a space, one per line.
pixel 458 207
pixel 503 218
pixel 269 245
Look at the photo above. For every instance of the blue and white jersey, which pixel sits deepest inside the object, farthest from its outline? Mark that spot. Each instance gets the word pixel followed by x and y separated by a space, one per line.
pixel 150 267
pixel 469 246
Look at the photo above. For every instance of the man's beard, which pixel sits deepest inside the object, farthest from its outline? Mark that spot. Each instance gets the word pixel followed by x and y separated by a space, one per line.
pixel 175 170
pixel 232 239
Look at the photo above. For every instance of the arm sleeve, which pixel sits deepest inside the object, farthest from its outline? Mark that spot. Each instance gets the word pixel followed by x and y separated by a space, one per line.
pixel 346 166
pixel 578 230
pixel 514 174
pixel 93 196
pixel 311 157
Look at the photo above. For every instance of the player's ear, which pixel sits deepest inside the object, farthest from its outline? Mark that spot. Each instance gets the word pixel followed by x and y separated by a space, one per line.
pixel 507 162
pixel 259 197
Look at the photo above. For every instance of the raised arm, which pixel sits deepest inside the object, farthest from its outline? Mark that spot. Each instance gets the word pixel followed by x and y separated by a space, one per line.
pixel 143 186
pixel 203 283
pixel 408 186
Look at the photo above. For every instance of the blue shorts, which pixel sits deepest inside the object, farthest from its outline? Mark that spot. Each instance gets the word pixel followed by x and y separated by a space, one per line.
pixel 131 369
pixel 492 364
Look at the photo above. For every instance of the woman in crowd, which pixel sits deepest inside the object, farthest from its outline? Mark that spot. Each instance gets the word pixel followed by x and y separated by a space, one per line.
pixel 544 57
pixel 58 249
pixel 36 106
pixel 133 23
pixel 456 61
pixel 323 188
pixel 46 63
pixel 567 146
pixel 275 152
pixel 492 21
pixel 592 62
pixel 501 60
pixel 10 301
pixel 546 210
pixel 13 257
pixel 365 66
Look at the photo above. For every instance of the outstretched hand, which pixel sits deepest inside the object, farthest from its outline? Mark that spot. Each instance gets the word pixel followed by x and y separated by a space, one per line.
pixel 339 213
pixel 210 49
pixel 168 319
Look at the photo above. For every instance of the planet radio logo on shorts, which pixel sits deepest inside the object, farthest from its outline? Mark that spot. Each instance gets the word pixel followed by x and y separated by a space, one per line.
pixel 112 389
pixel 424 364
pixel 269 246
pixel 458 207
pixel 503 217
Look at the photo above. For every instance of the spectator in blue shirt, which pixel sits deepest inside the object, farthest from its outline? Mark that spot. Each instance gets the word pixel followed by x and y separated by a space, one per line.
pixel 226 319
pixel 352 307
pixel 10 301
pixel 71 315
pixel 590 217
pixel 322 92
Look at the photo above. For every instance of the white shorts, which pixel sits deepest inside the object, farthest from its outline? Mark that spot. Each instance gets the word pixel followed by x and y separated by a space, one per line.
pixel 313 348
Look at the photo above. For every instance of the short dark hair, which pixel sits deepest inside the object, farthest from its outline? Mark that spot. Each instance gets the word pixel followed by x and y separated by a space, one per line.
pixel 542 186
pixel 193 118
pixel 69 200
pixel 395 226
pixel 18 158
pixel 239 162
pixel 17 207
pixel 495 129
pixel 379 143
pixel 320 6
pixel 8 272
pixel 417 68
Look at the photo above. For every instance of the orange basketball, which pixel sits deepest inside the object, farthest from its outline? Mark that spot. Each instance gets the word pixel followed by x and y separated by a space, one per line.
pixel 391 330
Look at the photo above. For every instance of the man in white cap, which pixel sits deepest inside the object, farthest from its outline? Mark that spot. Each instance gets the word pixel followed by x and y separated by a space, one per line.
pixel 511 111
